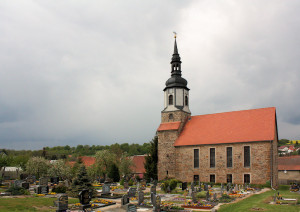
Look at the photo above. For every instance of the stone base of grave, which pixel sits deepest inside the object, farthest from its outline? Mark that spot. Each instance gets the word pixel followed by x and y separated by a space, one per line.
pixel 83 207
pixel 109 196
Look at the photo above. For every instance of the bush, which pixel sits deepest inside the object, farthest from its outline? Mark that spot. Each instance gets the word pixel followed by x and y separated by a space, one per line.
pixel 268 184
pixel 59 189
pixel 17 190
pixel 225 198
pixel 130 183
pixel 122 181
pixel 201 194
pixel 171 183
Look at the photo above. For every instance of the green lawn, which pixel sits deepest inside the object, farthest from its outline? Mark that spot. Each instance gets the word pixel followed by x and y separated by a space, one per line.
pixel 29 204
pixel 261 201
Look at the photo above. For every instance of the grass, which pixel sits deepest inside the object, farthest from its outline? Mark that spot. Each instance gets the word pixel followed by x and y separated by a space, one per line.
pixel 261 201
pixel 29 204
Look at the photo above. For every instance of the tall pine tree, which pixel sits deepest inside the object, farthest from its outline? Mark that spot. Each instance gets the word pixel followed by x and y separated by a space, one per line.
pixel 151 160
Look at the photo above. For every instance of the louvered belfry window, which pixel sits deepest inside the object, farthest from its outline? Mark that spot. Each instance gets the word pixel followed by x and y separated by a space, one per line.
pixel 212 157
pixel 229 156
pixel 246 156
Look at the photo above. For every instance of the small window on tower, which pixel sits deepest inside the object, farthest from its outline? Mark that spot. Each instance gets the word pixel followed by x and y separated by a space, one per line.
pixel 171 117
pixel 186 101
pixel 171 100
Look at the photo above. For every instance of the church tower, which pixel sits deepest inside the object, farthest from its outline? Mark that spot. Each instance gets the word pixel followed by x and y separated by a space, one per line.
pixel 173 117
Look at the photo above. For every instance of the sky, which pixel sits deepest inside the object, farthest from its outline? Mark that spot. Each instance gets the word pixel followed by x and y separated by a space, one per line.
pixel 93 72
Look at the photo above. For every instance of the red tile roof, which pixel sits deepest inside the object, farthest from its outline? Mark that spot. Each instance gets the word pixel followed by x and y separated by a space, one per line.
pixel 229 127
pixel 289 163
pixel 138 161
pixel 88 160
pixel 169 126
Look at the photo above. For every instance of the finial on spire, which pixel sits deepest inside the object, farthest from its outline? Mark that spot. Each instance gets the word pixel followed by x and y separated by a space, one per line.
pixel 175 34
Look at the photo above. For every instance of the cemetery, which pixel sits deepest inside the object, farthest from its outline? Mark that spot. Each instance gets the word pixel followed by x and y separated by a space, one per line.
pixel 169 195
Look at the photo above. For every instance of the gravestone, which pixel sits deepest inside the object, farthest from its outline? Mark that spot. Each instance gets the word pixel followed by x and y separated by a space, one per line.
pixel 275 198
pixel 124 200
pixel 105 189
pixel 227 187
pixel 205 187
pixel 42 189
pixel 190 192
pixel 153 189
pixel 215 197
pixel 66 182
pixel 153 198
pixel 239 187
pixel 25 185
pixel 126 185
pixel 194 198
pixel 207 196
pixel 131 192
pixel 43 181
pixel 31 179
pixel 18 183
pixel 157 204
pixel 184 186
pixel 222 186
pixel 192 186
pixel 61 203
pixel 130 208
pixel 138 186
pixel 140 197
pixel 54 180
pixel 84 199
pixel 235 187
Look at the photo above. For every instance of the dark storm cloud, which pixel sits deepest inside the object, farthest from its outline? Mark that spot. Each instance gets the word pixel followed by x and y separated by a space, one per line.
pixel 92 72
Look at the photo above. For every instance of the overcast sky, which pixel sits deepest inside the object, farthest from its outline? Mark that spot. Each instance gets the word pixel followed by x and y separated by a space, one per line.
pixel 93 72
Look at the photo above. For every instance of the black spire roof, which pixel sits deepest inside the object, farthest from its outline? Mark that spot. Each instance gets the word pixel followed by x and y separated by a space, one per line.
pixel 176 80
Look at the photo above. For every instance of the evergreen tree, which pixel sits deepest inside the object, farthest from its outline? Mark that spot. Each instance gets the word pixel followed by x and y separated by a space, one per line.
pixel 113 173
pixel 151 160
pixel 82 181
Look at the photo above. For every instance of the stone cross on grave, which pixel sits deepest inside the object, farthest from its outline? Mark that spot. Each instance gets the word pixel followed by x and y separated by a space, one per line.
pixel 192 186
pixel 207 196
pixel 205 187
pixel 157 204
pixel 215 197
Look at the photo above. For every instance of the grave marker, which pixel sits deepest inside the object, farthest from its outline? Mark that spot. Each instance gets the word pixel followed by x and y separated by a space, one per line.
pixel 25 185
pixel 184 186
pixel 43 181
pixel 124 200
pixel 18 183
pixel 140 197
pixel 153 189
pixel 84 198
pixel 207 196
pixel 205 187
pixel 106 189
pixel 61 203
pixel 131 192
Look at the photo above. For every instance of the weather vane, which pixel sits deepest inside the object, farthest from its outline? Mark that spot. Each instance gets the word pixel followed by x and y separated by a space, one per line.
pixel 175 34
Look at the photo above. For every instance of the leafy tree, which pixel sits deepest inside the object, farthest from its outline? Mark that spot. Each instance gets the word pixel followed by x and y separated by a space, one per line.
pixel 60 169
pixel 104 159
pixel 125 166
pixel 81 181
pixel 94 171
pixel 113 173
pixel 151 160
pixel 37 166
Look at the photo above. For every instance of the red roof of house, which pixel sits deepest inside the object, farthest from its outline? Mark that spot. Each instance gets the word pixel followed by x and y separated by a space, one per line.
pixel 282 147
pixel 291 147
pixel 138 161
pixel 229 127
pixel 289 163
pixel 169 126
pixel 86 160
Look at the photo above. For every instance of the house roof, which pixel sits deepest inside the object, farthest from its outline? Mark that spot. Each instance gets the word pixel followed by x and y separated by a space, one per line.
pixel 169 126
pixel 86 160
pixel 229 127
pixel 138 162
pixel 282 147
pixel 289 163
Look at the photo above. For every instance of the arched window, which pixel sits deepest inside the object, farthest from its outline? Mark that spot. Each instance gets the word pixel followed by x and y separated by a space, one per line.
pixel 171 117
pixel 171 100
pixel 186 101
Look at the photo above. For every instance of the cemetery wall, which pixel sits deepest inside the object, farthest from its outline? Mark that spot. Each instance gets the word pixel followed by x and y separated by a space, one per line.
pixel 259 170
pixel 289 176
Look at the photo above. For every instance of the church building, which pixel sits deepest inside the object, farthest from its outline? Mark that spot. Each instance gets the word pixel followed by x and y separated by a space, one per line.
pixel 237 147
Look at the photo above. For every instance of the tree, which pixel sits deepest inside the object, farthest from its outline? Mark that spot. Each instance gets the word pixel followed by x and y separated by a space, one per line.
pixel 151 160
pixel 113 173
pixel 80 182
pixel 104 159
pixel 37 166
pixel 126 165
pixel 60 169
